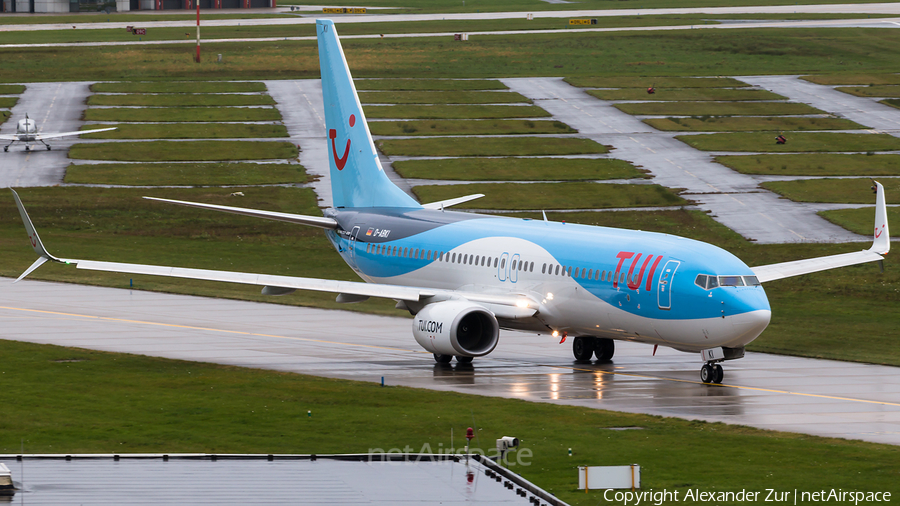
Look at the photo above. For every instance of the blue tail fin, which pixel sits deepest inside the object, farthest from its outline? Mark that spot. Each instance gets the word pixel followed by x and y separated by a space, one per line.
pixel 357 179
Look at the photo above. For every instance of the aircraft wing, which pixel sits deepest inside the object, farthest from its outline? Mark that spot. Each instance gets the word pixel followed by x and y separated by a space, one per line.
pixel 503 305
pixel 42 136
pixel 881 245
pixel 9 137
pixel 315 221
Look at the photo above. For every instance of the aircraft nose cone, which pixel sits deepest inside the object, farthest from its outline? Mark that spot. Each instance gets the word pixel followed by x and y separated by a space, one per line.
pixel 748 326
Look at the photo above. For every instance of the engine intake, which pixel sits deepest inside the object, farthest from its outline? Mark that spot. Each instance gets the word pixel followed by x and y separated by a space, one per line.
pixel 456 327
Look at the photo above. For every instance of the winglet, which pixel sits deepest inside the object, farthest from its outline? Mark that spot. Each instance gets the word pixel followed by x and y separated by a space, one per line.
pixel 882 241
pixel 33 238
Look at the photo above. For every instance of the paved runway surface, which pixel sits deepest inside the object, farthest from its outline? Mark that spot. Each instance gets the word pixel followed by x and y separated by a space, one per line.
pixel 734 199
pixel 818 397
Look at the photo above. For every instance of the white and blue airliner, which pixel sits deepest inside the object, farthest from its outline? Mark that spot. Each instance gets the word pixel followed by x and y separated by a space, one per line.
pixel 465 276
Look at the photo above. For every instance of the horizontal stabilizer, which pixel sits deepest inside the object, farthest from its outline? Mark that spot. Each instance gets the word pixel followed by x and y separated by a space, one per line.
pixel 452 202
pixel 315 221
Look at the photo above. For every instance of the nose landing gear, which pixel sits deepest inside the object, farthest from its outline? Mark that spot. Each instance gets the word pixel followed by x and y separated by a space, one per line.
pixel 712 373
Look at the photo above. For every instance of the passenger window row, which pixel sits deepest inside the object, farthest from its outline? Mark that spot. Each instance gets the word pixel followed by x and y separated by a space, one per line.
pixel 441 256
pixel 708 281
pixel 581 272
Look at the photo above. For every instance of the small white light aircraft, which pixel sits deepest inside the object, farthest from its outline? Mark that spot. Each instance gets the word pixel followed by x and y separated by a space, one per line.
pixel 465 276
pixel 26 131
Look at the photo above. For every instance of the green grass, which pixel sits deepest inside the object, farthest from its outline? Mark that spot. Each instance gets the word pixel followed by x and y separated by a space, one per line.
pixel 4 115
pixel 454 111
pixel 893 102
pixel 439 97
pixel 101 17
pixel 683 94
pixel 716 108
pixel 873 91
pixel 660 82
pixel 180 100
pixel 470 127
pixel 8 102
pixel 838 191
pixel 12 89
pixel 179 87
pixel 814 164
pixel 177 151
pixel 428 84
pixel 186 131
pixel 552 195
pixel 517 169
pixel 497 146
pixel 70 400
pixel 185 174
pixel 671 53
pixel 858 220
pixel 750 124
pixel 857 79
pixel 797 141
pixel 184 114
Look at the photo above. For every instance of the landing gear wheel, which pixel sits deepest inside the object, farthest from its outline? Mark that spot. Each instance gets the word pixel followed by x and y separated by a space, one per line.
pixel 464 360
pixel 583 348
pixel 719 374
pixel 27 148
pixel 48 147
pixel 5 149
pixel 442 359
pixel 604 349
pixel 707 373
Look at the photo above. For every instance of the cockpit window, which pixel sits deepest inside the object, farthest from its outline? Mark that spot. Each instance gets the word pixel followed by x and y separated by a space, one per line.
pixel 701 280
pixel 712 282
pixel 731 281
pixel 751 281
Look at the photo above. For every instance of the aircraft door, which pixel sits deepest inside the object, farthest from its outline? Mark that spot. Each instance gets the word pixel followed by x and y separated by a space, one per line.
pixel 352 241
pixel 513 272
pixel 664 290
pixel 503 268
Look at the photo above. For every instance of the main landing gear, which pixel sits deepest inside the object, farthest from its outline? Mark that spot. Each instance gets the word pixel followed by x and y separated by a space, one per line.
pixel 712 373
pixel 446 359
pixel 583 347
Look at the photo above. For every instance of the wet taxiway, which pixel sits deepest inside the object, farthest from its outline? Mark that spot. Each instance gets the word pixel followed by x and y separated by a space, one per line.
pixel 820 397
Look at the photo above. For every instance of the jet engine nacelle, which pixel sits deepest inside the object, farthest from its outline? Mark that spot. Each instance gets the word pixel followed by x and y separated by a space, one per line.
pixel 456 327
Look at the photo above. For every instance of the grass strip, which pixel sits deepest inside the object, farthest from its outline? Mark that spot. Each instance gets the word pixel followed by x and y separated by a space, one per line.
pixel 428 84
pixel 517 169
pixel 440 97
pixel 12 89
pixel 184 114
pixel 176 151
pixel 179 87
pixel 814 164
pixel 116 224
pixel 454 111
pixel 750 124
pixel 4 115
pixel 688 53
pixel 893 102
pixel 98 402
pixel 494 146
pixel 180 100
pixel 683 94
pixel 101 17
pixel 858 220
pixel 186 131
pixel 716 108
pixel 837 191
pixel 574 195
pixel 797 141
pixel 185 174
pixel 470 127
pixel 660 82
pixel 872 91
pixel 854 79
pixel 8 102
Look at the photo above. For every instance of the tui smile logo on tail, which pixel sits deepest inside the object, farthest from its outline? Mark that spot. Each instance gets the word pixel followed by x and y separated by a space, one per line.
pixel 340 161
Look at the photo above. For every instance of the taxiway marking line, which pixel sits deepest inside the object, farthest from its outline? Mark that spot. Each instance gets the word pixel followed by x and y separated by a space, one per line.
pixel 240 332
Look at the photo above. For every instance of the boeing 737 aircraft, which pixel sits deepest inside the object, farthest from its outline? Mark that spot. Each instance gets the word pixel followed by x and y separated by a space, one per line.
pixel 26 131
pixel 465 276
